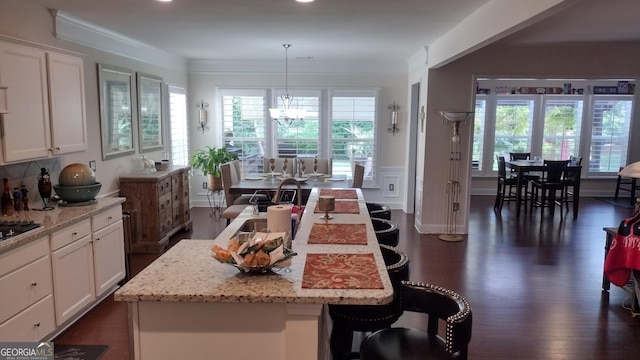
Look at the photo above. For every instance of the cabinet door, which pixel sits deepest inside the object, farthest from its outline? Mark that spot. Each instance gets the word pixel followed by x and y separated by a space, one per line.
pixel 26 132
pixel 73 279
pixel 108 256
pixel 67 103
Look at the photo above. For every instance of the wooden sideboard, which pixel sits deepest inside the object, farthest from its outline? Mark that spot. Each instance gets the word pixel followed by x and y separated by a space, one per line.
pixel 159 204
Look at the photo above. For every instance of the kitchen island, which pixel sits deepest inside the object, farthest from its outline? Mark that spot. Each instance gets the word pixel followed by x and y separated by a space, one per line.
pixel 188 305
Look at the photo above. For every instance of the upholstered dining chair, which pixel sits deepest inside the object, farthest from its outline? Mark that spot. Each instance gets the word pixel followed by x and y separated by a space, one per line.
pixel 570 178
pixel 235 203
pixel 348 319
pixel 278 163
pixel 441 305
pixel 325 166
pixel 358 176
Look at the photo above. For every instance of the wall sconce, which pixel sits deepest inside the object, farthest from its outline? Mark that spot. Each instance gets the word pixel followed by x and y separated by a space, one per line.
pixel 202 116
pixel 394 119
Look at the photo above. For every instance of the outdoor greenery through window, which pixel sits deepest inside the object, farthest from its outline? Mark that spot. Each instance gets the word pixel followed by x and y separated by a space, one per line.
pixel 346 132
pixel 552 126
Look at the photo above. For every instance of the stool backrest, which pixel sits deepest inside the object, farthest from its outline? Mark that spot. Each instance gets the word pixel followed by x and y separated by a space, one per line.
pixel 519 156
pixel 555 170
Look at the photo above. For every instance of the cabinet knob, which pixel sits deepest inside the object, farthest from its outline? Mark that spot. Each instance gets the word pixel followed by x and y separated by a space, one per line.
pixel 74 233
pixel 110 218
pixel 34 284
pixel 36 324
pixel 58 148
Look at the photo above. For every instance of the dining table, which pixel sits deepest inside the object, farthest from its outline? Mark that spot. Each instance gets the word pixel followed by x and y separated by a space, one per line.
pixel 522 167
pixel 264 183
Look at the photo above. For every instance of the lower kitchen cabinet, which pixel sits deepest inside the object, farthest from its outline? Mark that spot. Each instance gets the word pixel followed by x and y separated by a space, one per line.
pixel 26 292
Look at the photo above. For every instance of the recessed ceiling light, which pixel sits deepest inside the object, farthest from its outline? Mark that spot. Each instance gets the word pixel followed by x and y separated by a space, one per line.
pixel 304 1
pixel 164 0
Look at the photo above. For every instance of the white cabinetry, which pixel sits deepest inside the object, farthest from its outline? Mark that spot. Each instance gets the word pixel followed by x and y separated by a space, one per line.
pixel 88 261
pixel 45 92
pixel 26 311
pixel 26 132
pixel 66 103
pixel 73 278
pixel 108 249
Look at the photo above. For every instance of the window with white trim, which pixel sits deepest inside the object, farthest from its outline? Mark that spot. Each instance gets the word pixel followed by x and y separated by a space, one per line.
pixel 179 129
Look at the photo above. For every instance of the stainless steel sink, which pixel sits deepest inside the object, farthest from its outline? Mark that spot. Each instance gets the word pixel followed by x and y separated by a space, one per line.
pixel 253 224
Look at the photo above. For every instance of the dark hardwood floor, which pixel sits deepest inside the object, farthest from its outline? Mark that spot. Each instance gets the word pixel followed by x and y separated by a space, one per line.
pixel 534 284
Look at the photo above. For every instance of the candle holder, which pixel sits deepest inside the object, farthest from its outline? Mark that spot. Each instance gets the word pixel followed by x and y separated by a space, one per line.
pixel 326 204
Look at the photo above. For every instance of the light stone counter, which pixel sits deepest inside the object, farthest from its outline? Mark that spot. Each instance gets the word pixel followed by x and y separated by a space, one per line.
pixel 186 303
pixel 53 220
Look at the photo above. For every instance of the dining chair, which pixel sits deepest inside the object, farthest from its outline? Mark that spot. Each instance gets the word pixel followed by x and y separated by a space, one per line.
pixel 441 306
pixel 515 156
pixel 571 177
pixel 626 184
pixel 358 176
pixel 506 185
pixel 324 166
pixel 544 191
pixel 348 319
pixel 235 203
pixel 278 163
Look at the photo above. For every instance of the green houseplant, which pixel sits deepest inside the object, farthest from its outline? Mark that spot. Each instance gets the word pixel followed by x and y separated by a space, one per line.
pixel 208 160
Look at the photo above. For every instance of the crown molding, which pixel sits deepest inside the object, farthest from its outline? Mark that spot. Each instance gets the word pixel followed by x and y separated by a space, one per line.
pixel 418 60
pixel 307 67
pixel 81 32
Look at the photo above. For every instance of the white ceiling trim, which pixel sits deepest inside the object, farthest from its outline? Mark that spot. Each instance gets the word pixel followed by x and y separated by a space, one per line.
pixel 305 66
pixel 84 33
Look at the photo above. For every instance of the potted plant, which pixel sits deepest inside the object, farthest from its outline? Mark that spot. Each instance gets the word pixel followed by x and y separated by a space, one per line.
pixel 209 160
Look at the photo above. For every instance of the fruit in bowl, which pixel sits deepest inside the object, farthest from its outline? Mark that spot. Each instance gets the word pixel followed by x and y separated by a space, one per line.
pixel 77 194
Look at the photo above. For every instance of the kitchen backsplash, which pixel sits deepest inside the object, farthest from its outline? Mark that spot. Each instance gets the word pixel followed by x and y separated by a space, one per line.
pixel 27 174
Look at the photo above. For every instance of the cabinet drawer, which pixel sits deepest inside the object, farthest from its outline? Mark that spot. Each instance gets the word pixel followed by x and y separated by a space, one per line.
pixel 70 234
pixel 14 259
pixel 33 324
pixel 164 202
pixel 25 286
pixel 176 181
pixel 106 218
pixel 164 186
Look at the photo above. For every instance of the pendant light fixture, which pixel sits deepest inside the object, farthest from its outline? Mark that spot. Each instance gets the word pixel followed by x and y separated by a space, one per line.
pixel 287 114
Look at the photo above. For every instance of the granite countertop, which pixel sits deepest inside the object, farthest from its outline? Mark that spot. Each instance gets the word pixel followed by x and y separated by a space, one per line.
pixel 188 273
pixel 53 220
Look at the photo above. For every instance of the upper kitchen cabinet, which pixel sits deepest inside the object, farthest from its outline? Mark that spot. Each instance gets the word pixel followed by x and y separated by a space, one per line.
pixel 45 95
pixel 66 103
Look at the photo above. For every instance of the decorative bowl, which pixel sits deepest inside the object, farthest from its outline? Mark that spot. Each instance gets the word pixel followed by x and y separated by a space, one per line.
pixel 76 174
pixel 249 245
pixel 77 194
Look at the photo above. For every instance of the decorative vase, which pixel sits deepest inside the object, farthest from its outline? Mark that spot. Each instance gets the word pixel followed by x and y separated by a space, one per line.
pixel 44 188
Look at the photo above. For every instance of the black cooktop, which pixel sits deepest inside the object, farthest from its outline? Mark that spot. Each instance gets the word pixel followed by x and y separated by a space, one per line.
pixel 9 229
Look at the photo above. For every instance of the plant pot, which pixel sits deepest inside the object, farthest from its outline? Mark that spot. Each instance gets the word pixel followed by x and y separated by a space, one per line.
pixel 215 183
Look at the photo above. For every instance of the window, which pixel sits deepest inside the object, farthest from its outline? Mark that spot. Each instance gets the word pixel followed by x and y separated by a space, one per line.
pixel 353 124
pixel 478 134
pixel 179 130
pixel 243 122
pixel 302 138
pixel 346 132
pixel 514 121
pixel 562 121
pixel 541 120
pixel 609 134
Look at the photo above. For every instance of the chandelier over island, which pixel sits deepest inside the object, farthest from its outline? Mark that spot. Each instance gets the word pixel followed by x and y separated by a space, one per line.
pixel 287 114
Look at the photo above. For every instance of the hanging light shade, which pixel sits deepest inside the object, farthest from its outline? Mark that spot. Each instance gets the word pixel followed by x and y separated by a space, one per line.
pixel 287 114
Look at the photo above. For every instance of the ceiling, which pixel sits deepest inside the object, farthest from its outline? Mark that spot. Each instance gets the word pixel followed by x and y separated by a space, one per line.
pixel 328 30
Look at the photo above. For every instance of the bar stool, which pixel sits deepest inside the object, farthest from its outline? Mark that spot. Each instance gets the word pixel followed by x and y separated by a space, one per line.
pixel 544 192
pixel 365 318
pixel 439 304
pixel 379 211
pixel 386 231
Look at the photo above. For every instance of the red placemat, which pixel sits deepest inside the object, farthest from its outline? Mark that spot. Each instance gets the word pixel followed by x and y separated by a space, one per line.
pixel 342 207
pixel 351 234
pixel 340 194
pixel 341 271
